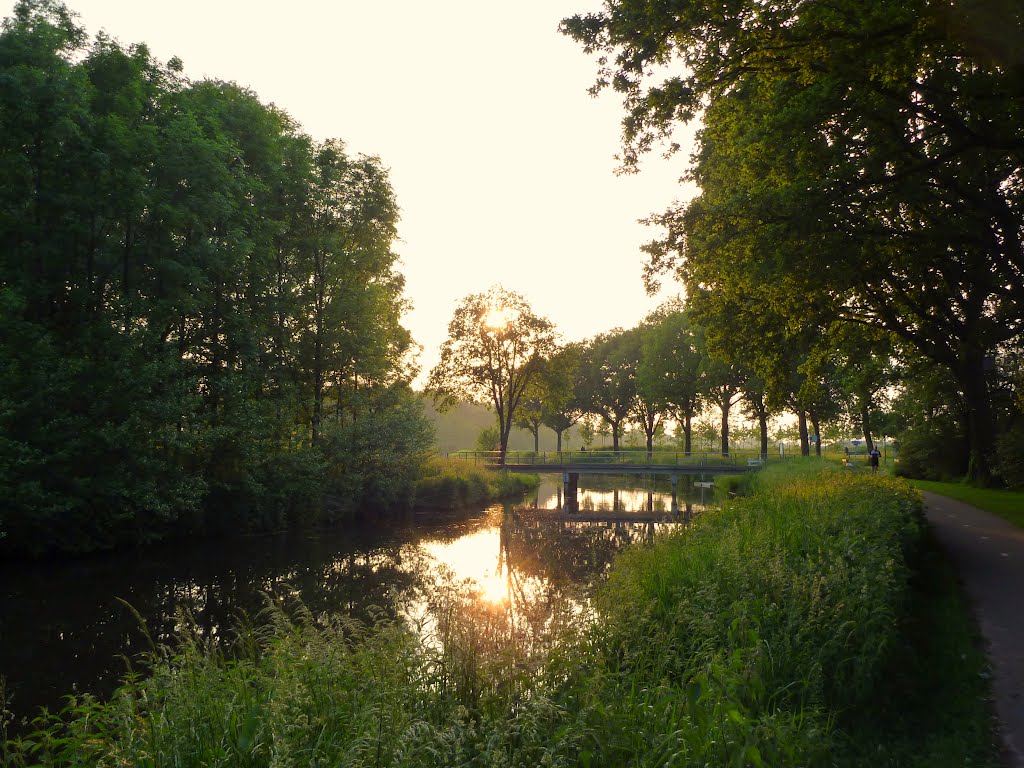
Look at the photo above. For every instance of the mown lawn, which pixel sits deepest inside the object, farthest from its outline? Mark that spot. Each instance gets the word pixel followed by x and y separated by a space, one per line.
pixel 1007 504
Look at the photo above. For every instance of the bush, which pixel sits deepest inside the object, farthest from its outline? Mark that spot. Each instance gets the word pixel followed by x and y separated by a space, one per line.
pixel 1009 463
pixel 936 451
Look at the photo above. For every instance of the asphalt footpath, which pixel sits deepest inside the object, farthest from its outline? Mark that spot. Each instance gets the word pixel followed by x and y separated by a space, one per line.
pixel 989 555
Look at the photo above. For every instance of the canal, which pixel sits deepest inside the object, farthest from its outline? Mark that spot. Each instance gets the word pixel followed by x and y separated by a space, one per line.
pixel 72 627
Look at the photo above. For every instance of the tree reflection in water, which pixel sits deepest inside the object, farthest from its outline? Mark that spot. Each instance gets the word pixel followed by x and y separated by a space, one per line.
pixel 504 594
pixel 494 589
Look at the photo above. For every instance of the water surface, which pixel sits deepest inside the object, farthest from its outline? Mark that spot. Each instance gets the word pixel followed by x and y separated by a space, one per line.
pixel 72 627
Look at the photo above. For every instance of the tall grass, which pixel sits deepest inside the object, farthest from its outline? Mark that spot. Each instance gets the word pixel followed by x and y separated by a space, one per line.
pixel 765 634
pixel 301 690
pixel 453 484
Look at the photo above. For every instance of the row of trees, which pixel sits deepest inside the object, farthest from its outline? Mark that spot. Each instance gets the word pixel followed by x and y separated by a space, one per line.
pixel 670 368
pixel 859 166
pixel 199 307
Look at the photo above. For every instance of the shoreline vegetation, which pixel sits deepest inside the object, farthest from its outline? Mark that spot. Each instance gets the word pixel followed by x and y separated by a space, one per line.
pixel 810 623
pixel 447 484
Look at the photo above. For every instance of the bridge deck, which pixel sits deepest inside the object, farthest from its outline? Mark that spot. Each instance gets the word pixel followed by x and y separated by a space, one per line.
pixel 615 462
pixel 630 469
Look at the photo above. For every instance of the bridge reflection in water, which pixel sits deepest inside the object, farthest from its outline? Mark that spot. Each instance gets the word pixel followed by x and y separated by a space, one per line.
pixel 527 574
pixel 571 465
pixel 516 575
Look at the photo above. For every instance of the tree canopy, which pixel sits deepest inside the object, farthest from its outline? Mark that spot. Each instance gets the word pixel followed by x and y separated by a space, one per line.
pixel 192 293
pixel 858 161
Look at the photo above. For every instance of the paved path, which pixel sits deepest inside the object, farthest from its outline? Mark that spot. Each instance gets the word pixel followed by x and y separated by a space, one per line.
pixel 989 554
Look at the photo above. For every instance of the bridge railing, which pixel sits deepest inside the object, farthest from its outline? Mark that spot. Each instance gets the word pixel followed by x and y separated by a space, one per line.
pixel 605 458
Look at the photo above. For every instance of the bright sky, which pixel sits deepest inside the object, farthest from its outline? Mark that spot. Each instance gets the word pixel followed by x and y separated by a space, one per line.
pixel 502 163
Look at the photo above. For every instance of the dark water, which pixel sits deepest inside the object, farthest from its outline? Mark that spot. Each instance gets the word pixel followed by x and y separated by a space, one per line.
pixel 71 627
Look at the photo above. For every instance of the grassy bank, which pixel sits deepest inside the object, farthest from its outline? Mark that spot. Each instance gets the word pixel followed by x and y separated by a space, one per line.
pixel 810 624
pixel 772 634
pixel 1007 504
pixel 454 484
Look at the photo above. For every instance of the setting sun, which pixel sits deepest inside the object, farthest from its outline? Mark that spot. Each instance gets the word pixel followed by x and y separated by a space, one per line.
pixel 498 317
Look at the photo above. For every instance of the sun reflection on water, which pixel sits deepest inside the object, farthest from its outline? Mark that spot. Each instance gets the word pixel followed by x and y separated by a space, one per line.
pixel 476 560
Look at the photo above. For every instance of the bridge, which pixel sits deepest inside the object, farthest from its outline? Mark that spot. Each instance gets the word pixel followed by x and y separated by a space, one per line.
pixel 572 464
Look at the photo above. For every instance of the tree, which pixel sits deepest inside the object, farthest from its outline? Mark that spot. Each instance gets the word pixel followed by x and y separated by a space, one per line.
pixel 607 384
pixel 560 405
pixel 885 135
pixel 649 407
pixel 530 415
pixel 865 360
pixel 189 287
pixel 493 352
pixel 353 301
pixel 722 384
pixel 672 366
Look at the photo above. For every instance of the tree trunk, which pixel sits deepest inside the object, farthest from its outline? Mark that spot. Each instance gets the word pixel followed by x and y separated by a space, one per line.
pixel 725 428
pixel 504 428
pixel 801 417
pixel 762 423
pixel 503 448
pixel 558 443
pixel 536 439
pixel 815 425
pixel 865 423
pixel 615 436
pixel 688 433
pixel 970 374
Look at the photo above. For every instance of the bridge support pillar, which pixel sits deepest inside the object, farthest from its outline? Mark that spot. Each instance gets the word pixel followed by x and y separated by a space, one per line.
pixel 570 484
pixel 675 497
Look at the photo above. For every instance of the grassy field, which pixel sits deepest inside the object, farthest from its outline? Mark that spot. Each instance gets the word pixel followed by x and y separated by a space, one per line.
pixel 1006 504
pixel 811 623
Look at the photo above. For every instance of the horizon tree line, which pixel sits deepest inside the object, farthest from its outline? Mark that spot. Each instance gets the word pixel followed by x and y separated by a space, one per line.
pixel 669 369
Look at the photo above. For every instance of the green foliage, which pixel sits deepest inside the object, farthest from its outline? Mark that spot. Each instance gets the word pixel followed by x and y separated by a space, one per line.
pixel 932 451
pixel 191 288
pixel 671 369
pixel 606 387
pixel 1010 457
pixel 836 139
pixel 375 459
pixel 489 439
pixel 560 406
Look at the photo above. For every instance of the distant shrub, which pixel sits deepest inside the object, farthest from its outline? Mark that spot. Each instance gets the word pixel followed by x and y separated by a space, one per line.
pixel 489 439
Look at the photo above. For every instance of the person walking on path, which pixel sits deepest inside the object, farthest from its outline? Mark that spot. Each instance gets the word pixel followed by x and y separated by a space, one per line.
pixel 988 552
pixel 873 455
